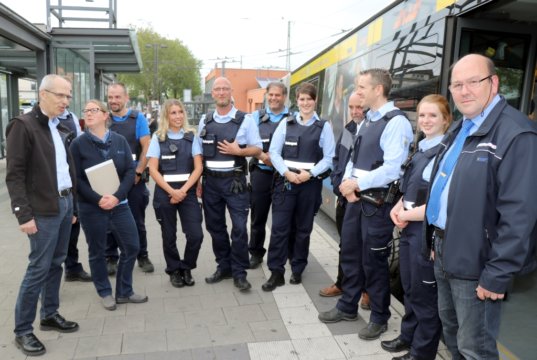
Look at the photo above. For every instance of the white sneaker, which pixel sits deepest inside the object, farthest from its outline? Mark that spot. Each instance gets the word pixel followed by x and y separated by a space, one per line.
pixel 109 302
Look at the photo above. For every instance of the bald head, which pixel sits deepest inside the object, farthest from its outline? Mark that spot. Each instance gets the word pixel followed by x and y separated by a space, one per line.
pixel 221 93
pixel 474 84
pixel 356 110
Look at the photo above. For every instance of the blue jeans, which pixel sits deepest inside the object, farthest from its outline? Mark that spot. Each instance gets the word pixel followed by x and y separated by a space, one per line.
pixel 95 223
pixel 470 325
pixel 138 200
pixel 48 249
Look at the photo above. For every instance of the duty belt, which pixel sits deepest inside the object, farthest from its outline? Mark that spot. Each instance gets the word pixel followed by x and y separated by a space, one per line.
pixel 222 174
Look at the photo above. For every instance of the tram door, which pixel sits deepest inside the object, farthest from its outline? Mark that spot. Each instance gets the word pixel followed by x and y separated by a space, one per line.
pixel 514 54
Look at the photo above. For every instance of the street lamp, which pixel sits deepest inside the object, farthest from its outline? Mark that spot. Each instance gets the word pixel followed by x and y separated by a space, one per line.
pixel 156 89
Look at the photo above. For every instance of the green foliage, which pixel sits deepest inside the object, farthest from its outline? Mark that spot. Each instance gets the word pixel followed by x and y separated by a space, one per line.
pixel 177 68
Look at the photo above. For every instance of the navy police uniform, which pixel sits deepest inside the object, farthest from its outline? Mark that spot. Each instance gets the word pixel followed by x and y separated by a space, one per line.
pixel 296 203
pixel 420 326
pixel 138 197
pixel 176 164
pixel 261 179
pixel 224 184
pixel 367 229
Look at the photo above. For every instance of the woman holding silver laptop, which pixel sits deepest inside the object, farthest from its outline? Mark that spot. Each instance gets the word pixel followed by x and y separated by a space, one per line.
pixel 103 203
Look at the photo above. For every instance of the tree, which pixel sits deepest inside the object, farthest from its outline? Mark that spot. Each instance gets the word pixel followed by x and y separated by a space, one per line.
pixel 168 68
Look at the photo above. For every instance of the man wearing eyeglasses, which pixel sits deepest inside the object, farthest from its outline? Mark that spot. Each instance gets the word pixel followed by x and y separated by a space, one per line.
pixel 481 210
pixel 40 180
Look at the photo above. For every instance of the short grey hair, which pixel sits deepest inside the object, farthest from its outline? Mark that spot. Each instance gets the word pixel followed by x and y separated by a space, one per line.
pixel 48 80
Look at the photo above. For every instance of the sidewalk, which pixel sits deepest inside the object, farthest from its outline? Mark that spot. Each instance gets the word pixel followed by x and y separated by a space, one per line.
pixel 199 322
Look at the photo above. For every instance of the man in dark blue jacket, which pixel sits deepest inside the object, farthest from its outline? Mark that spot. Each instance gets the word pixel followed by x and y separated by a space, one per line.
pixel 481 210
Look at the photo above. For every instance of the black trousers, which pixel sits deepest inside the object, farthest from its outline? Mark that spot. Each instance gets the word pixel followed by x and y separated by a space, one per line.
pixel 260 201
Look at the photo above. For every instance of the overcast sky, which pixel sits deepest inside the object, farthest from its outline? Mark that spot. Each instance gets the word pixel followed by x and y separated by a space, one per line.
pixel 248 30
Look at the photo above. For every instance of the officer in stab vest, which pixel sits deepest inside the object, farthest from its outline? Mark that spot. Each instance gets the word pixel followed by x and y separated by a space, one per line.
pixel 74 271
pixel 132 125
pixel 302 149
pixel 366 236
pixel 175 163
pixel 261 170
pixel 420 326
pixel 228 136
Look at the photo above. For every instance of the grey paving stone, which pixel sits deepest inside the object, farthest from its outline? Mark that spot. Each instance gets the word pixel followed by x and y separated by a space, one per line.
pixel 124 324
pixel 180 304
pixel 192 338
pixel 271 311
pixel 243 314
pixel 103 345
pixel 206 353
pixel 152 306
pixel 271 330
pixel 232 352
pixel 231 334
pixel 162 321
pixel 248 297
pixel 142 342
pixel 219 300
pixel 170 355
pixel 208 317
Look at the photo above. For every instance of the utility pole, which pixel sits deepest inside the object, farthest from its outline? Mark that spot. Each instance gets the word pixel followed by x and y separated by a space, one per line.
pixel 156 87
pixel 288 55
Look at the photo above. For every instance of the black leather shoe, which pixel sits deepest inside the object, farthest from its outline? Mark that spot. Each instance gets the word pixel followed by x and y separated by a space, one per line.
pixel 372 331
pixel 30 345
pixel 255 261
pixel 187 277
pixel 395 345
pixel 276 279
pixel 79 276
pixel 295 279
pixel 218 276
pixel 58 323
pixel 242 284
pixel 177 279
pixel 407 356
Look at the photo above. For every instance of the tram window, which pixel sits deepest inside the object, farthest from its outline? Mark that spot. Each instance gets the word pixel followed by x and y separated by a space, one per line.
pixel 509 53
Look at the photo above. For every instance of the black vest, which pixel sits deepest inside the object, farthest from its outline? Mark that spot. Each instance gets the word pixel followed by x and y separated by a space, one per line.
pixel 176 161
pixel 368 155
pixel 412 185
pixel 267 128
pixel 214 132
pixel 127 129
pixel 69 122
pixel 302 142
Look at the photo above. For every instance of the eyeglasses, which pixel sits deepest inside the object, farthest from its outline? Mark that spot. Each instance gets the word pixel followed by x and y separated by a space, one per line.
pixel 221 89
pixel 470 84
pixel 93 111
pixel 60 96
